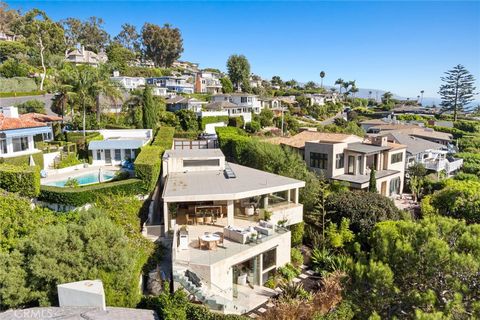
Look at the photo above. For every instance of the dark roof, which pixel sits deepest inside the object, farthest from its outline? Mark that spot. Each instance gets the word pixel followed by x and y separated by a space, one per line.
pixel 366 148
pixel 415 145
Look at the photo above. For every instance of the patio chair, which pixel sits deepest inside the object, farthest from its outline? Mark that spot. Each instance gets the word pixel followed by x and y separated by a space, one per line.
pixel 200 243
pixel 200 219
pixel 190 220
pixel 207 219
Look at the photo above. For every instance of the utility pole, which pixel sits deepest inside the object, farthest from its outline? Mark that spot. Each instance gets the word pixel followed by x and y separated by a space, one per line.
pixel 282 120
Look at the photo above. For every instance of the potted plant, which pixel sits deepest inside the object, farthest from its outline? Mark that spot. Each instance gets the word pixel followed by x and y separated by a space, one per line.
pixel 267 215
pixel 173 209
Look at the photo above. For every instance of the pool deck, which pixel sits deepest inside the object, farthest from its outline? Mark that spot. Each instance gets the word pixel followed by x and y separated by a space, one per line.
pixel 75 172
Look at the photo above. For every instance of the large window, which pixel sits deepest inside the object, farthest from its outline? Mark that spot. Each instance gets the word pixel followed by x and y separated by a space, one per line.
pixel 351 165
pixel 99 155
pixel 397 157
pixel 243 99
pixel 339 161
pixel 118 154
pixel 3 145
pixel 269 259
pixel 20 144
pixel 318 160
pixel 395 186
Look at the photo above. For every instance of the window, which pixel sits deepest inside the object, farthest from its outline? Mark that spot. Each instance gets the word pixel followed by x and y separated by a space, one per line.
pixel 351 164
pixel 269 258
pixel 397 157
pixel 201 163
pixel 118 154
pixel 99 155
pixel 3 146
pixel 339 161
pixel 20 144
pixel 132 153
pixel 318 160
pixel 243 99
pixel 395 186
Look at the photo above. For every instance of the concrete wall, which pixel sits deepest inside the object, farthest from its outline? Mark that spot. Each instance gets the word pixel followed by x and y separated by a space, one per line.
pixel 293 215
pixel 210 127
pixel 174 164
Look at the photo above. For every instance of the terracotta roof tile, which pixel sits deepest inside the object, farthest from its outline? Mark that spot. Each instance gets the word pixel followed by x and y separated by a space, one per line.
pixel 298 140
pixel 21 122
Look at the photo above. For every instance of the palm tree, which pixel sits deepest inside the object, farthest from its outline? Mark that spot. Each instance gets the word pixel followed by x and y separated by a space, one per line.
pixel 421 99
pixel 345 85
pixel 107 88
pixel 322 75
pixel 387 96
pixel 340 82
pixel 83 80
pixel 354 90
pixel 369 95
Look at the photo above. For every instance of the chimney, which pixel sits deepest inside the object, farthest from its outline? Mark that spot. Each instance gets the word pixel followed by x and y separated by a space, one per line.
pixel 88 293
pixel 380 141
pixel 10 112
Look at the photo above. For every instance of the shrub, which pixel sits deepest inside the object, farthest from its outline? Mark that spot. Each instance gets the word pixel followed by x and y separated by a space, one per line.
pixel 88 194
pixel 190 135
pixel 22 179
pixel 253 127
pixel 236 122
pixel 200 312
pixel 296 257
pixel 68 161
pixel 297 231
pixel 148 165
pixel 288 272
pixel 35 106
pixel 24 160
pixel 164 138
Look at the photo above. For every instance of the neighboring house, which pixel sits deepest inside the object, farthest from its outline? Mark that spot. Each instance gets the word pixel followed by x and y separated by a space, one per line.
pixel 161 92
pixel 182 103
pixel 415 131
pixel 224 249
pixel 129 83
pixel 241 102
pixel 186 65
pixel 118 145
pixel 432 155
pixel 18 133
pixel 4 36
pixel 82 56
pixel 177 84
pixel 208 82
pixel 349 158
pixel 351 162
pixel 321 98
pixel 277 104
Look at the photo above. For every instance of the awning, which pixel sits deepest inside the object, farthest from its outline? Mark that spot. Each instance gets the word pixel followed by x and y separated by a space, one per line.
pixel 26 132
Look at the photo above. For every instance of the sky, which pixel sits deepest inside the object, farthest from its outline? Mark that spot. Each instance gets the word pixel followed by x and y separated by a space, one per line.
pixel 403 47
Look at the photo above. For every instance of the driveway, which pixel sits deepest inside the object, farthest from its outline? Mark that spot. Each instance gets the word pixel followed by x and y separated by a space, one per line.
pixel 46 98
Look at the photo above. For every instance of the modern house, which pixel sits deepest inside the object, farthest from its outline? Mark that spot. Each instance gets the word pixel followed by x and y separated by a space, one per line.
pixel 18 133
pixel 321 98
pixel 228 223
pixel 350 159
pixel 208 82
pixel 241 102
pixel 277 104
pixel 432 155
pixel 129 83
pixel 82 56
pixel 118 145
pixel 180 84
pixel 182 103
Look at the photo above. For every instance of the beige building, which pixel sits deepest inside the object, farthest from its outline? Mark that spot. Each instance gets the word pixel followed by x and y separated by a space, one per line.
pixel 228 223
pixel 82 56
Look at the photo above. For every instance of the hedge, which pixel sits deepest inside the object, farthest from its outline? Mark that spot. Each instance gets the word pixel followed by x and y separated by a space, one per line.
pixel 191 135
pixel 18 86
pixel 232 140
pixel 88 194
pixel 22 179
pixel 164 138
pixel 24 160
pixel 213 119
pixel 148 165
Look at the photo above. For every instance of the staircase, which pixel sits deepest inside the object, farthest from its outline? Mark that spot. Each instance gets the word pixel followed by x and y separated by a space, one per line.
pixel 204 295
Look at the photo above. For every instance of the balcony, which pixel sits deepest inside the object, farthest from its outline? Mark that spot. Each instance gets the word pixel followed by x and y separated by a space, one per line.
pixel 438 165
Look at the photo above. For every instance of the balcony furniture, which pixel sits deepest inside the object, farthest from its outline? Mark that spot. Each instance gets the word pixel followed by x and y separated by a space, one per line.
pixel 200 243
pixel 183 240
pixel 210 240
pixel 190 220
pixel 238 235
pixel 242 279
pixel 249 211
pixel 265 228
pixel 200 219
pixel 207 219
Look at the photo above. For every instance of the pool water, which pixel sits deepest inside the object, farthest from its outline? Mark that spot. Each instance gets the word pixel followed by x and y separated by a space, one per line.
pixel 88 178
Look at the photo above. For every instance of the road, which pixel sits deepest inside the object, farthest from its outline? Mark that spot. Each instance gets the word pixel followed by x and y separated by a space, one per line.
pixel 47 99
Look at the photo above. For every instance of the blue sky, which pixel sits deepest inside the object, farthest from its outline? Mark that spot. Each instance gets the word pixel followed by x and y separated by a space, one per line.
pixel 403 47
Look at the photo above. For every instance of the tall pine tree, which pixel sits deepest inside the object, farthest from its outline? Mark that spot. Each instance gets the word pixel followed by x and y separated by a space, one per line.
pixel 457 91
pixel 149 116
pixel 372 184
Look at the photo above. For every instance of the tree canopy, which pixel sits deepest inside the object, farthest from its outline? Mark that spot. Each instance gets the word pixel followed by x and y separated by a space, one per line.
pixel 238 70
pixel 163 45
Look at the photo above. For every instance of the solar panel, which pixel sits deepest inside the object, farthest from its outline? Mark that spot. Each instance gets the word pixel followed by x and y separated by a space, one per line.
pixel 229 172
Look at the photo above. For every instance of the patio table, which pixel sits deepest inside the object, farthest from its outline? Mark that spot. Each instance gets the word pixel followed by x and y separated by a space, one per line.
pixel 211 240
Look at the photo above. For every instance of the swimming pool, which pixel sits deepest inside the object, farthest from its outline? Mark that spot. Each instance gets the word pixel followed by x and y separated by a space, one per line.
pixel 84 179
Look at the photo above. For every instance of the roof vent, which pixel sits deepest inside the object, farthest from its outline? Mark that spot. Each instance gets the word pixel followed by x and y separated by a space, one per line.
pixel 229 174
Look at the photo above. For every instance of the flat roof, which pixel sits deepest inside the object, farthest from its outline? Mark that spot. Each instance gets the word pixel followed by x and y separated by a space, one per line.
pixel 366 148
pixel 364 178
pixel 298 141
pixel 193 153
pixel 214 185
pixel 119 143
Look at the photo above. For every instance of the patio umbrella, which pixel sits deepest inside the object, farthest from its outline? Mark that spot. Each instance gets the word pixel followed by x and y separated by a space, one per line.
pixel 31 161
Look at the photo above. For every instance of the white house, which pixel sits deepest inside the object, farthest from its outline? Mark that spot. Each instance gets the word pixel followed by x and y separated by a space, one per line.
pixel 180 84
pixel 82 56
pixel 240 102
pixel 129 83
pixel 182 103
pixel 228 226
pixel 434 156
pixel 18 133
pixel 208 82
pixel 118 145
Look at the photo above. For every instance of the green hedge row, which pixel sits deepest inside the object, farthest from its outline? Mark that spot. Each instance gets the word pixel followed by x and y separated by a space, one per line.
pixel 77 137
pixel 214 119
pixel 191 135
pixel 88 194
pixel 232 141
pixel 22 179
pixel 24 160
pixel 164 138
pixel 148 165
